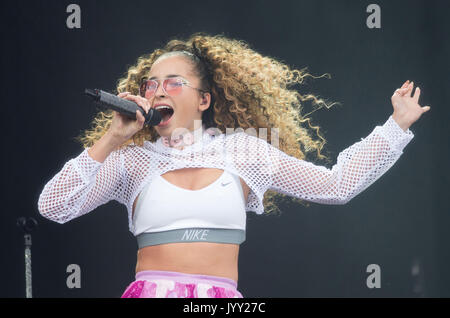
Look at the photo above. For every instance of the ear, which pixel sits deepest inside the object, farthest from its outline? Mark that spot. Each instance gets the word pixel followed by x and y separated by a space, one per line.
pixel 205 101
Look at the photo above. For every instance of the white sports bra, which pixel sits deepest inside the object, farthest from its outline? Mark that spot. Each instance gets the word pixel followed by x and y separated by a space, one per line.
pixel 166 213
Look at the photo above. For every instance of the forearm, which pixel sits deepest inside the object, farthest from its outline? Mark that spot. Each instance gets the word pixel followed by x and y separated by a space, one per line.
pixel 357 167
pixel 82 184
pixel 103 147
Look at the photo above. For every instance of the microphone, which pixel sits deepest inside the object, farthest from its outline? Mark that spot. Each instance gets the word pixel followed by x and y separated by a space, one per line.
pixel 123 106
pixel 27 224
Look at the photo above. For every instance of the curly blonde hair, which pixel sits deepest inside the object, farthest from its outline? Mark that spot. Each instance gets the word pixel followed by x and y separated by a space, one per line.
pixel 248 90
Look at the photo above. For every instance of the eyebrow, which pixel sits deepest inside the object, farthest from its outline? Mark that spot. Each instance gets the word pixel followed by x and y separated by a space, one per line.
pixel 171 75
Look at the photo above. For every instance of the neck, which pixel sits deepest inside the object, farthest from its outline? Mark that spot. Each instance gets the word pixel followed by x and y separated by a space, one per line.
pixel 186 138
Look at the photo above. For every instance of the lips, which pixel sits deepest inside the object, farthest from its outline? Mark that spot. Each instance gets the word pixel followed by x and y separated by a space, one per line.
pixel 166 111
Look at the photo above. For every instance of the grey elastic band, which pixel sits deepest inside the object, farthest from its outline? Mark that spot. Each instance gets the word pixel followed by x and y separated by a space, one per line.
pixel 233 236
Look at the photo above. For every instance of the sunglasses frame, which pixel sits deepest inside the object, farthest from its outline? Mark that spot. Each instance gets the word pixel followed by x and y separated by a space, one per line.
pixel 183 81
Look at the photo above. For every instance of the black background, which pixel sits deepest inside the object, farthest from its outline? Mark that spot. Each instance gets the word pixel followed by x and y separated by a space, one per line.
pixel 321 251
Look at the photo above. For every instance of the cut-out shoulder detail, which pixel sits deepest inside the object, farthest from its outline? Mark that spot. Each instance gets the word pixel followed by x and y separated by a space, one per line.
pixel 198 180
pixel 83 183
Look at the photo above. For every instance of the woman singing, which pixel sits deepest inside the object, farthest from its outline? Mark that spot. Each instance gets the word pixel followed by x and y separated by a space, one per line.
pixel 188 182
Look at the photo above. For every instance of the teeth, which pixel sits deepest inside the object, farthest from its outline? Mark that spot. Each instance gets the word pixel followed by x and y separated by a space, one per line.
pixel 163 106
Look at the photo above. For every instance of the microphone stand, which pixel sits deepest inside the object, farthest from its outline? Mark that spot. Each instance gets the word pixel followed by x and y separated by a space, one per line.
pixel 27 225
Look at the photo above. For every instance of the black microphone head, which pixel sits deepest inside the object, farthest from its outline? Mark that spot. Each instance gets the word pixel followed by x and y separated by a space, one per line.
pixel 27 224
pixel 153 117
pixel 94 93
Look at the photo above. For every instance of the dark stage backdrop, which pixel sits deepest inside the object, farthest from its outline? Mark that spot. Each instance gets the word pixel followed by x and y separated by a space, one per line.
pixel 400 223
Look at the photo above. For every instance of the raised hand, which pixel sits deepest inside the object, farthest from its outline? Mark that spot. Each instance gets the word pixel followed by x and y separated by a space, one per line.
pixel 406 108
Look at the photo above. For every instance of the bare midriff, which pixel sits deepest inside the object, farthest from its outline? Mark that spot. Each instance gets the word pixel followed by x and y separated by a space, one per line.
pixel 203 258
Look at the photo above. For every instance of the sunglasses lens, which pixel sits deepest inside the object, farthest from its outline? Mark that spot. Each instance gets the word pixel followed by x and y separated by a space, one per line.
pixel 173 86
pixel 148 88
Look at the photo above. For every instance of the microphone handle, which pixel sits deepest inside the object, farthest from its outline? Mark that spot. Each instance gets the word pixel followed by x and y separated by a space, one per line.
pixel 123 106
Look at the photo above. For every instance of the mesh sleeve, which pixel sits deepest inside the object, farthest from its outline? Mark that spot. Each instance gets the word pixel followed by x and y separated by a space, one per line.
pixel 82 185
pixel 357 167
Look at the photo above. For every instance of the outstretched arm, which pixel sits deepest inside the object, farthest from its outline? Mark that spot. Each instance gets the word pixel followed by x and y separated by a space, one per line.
pixel 357 167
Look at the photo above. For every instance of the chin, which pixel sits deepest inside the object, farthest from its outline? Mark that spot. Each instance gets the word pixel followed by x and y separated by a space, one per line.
pixel 165 131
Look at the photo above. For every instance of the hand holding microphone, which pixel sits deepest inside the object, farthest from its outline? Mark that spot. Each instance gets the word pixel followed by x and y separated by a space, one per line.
pixel 131 112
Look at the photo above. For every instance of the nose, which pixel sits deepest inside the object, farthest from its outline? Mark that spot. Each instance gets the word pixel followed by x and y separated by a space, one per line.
pixel 160 90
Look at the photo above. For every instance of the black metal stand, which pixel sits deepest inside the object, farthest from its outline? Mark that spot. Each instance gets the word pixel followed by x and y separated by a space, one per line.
pixel 27 224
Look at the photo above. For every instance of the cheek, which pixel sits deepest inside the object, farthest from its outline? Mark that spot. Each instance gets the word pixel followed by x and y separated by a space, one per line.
pixel 187 109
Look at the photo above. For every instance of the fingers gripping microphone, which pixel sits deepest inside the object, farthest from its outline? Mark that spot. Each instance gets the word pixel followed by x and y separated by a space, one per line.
pixel 123 106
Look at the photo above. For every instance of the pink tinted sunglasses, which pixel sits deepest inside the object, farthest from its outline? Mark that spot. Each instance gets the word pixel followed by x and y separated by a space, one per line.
pixel 172 86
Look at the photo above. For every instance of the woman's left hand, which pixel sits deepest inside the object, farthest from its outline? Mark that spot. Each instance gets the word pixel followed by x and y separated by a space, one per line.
pixel 406 108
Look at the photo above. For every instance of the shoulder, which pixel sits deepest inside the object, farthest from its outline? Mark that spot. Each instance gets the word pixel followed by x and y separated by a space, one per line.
pixel 248 148
pixel 245 140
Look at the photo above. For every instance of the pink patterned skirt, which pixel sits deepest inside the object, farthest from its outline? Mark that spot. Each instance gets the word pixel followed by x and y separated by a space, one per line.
pixel 164 284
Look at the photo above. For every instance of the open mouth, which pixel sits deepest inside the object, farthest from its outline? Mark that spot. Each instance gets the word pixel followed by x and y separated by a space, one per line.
pixel 166 112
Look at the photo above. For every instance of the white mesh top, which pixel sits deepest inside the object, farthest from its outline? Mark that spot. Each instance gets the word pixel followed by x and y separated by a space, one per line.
pixel 84 183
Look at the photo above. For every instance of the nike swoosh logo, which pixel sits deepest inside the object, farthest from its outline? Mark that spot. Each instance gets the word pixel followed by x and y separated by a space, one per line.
pixel 224 184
